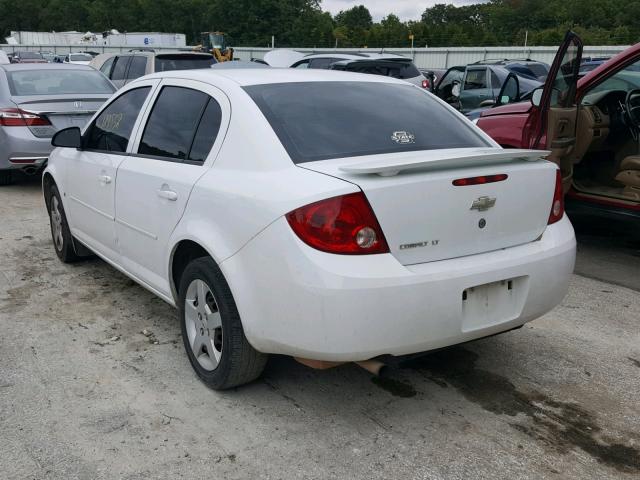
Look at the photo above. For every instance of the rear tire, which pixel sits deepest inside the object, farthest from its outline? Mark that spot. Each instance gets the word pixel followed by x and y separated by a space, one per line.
pixel 212 331
pixel 60 233
pixel 6 177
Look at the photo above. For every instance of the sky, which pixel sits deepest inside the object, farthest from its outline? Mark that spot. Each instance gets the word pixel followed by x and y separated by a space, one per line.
pixel 405 9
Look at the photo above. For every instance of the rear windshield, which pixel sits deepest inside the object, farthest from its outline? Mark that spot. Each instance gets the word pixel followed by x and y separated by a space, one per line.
pixel 182 62
pixel 80 57
pixel 324 120
pixel 394 69
pixel 57 82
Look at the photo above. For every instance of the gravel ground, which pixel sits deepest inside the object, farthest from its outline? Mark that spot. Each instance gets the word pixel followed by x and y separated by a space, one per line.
pixel 85 394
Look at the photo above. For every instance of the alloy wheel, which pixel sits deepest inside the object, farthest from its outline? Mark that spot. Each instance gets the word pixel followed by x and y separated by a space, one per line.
pixel 203 324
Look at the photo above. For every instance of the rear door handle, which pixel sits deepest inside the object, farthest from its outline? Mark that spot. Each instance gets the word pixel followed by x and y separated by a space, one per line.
pixel 104 179
pixel 168 194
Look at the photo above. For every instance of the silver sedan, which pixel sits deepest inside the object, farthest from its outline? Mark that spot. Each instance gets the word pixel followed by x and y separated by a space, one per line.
pixel 37 100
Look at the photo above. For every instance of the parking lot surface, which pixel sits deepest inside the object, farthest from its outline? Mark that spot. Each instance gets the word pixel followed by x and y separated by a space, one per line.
pixel 94 383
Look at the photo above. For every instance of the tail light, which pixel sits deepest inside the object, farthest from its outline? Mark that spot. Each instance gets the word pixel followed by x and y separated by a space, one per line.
pixel 14 117
pixel 344 225
pixel 557 207
pixel 481 180
pixel 425 83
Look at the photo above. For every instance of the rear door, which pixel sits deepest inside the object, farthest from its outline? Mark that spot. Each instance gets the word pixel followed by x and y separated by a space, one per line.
pixel 176 143
pixel 552 123
pixel 91 176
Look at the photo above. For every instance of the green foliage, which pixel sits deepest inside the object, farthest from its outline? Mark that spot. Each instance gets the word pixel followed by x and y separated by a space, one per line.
pixel 302 23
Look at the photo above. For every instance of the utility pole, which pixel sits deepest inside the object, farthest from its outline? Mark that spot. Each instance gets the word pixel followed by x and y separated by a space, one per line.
pixel 273 41
pixel 526 37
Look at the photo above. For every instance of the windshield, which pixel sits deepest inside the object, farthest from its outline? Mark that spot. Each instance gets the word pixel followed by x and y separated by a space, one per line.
pixel 183 62
pixel 58 82
pixel 323 120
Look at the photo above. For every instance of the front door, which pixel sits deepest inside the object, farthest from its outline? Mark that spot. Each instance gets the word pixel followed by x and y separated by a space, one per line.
pixel 177 144
pixel 91 172
pixel 475 88
pixel 552 123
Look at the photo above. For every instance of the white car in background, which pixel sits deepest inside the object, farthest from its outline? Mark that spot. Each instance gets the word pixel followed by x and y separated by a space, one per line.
pixel 78 58
pixel 318 214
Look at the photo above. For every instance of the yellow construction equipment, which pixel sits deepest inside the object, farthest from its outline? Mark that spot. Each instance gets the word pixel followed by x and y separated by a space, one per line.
pixel 215 43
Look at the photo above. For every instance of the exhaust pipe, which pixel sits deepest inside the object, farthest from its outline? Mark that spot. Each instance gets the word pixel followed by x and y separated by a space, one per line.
pixel 372 366
pixel 30 170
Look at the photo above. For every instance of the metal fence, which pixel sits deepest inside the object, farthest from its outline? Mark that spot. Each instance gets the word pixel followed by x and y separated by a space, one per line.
pixel 422 57
pixel 447 57
pixel 64 49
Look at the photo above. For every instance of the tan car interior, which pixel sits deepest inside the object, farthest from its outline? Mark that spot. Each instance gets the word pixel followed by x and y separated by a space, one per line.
pixel 606 154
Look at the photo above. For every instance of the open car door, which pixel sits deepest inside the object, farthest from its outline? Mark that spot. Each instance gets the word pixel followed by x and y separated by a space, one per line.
pixel 552 123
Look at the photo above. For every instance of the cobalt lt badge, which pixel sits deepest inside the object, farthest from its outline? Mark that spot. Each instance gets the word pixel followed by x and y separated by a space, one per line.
pixel 403 137
pixel 483 204
pixel 77 104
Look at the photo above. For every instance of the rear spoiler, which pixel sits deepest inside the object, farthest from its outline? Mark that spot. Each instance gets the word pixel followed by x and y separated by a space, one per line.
pixel 438 159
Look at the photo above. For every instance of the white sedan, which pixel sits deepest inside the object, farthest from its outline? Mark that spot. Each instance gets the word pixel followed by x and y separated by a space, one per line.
pixel 329 216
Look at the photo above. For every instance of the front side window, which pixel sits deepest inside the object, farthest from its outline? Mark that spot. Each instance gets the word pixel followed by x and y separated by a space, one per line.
pixel 111 130
pixel 475 80
pixel 172 124
pixel 325 120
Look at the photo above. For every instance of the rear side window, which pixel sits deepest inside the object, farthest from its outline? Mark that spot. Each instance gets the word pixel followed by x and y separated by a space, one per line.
pixel 172 124
pixel 207 132
pixel 112 128
pixel 324 120
pixel 120 68
pixel 137 67
pixel 407 70
pixel 106 66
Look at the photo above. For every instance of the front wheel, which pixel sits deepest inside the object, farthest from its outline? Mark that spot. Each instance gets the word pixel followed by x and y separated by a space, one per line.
pixel 212 331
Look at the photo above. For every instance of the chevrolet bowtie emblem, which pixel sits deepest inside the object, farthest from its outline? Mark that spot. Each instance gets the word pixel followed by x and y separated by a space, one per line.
pixel 483 204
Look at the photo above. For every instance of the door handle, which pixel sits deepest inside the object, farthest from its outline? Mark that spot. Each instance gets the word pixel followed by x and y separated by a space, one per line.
pixel 104 179
pixel 168 194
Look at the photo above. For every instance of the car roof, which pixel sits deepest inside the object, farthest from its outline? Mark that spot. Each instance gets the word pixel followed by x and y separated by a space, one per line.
pixel 260 76
pixel 353 56
pixel 43 66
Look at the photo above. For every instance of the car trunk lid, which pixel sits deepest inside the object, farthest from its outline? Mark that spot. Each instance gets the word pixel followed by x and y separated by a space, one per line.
pixel 62 111
pixel 425 217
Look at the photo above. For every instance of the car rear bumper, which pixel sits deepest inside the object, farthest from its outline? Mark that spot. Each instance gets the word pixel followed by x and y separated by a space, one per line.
pixel 19 148
pixel 298 301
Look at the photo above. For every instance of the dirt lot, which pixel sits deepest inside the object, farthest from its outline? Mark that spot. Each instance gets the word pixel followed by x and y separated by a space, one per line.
pixel 84 394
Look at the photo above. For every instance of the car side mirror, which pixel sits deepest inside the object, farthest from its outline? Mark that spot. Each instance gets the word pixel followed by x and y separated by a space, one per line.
pixel 68 138
pixel 536 96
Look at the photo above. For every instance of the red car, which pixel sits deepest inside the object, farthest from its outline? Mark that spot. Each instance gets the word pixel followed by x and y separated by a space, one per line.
pixel 591 125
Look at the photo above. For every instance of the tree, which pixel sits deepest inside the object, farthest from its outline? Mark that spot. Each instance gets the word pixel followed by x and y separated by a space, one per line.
pixel 357 22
